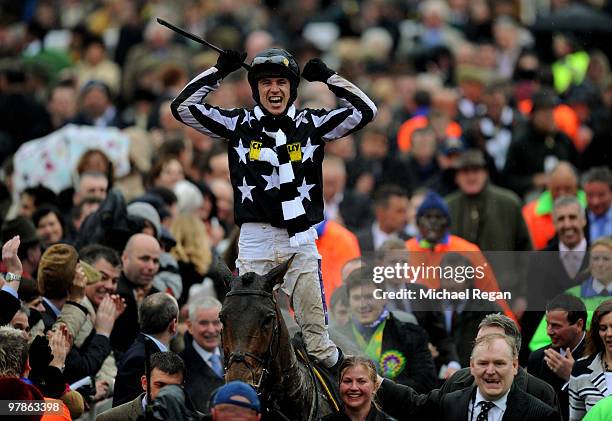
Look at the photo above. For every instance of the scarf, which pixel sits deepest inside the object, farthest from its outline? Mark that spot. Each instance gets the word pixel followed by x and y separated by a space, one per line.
pixel 296 222
pixel 373 347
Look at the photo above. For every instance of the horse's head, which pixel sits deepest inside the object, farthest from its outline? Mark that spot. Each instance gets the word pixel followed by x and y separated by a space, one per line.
pixel 251 326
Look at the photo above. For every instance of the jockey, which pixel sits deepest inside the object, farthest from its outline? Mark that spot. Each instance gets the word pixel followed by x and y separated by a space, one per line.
pixel 275 157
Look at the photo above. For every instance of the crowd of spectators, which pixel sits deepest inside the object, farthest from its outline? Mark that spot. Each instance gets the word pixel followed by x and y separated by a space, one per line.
pixel 492 144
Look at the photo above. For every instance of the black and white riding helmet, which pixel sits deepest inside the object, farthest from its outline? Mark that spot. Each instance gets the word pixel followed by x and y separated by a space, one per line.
pixel 274 62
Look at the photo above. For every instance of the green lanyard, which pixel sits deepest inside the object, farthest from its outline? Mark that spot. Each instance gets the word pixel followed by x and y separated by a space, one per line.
pixel 373 348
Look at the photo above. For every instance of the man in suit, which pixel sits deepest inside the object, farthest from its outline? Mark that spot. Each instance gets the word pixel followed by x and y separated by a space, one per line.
pixel 158 315
pixel 558 269
pixel 391 216
pixel 566 318
pixel 202 353
pixel 166 368
pixel 499 323
pixel 140 261
pixel 494 365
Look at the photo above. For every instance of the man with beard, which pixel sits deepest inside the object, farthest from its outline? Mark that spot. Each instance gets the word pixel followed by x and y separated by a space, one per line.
pixel 202 352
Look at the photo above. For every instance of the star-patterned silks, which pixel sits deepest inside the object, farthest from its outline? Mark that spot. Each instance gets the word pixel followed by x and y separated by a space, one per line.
pixel 273 180
pixel 304 190
pixel 245 189
pixel 242 152
pixel 247 118
pixel 308 151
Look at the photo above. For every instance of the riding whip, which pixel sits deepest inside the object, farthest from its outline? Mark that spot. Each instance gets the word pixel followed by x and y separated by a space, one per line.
pixel 195 38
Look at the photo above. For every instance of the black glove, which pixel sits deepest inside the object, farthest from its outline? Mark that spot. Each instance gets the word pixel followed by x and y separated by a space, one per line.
pixel 316 71
pixel 230 61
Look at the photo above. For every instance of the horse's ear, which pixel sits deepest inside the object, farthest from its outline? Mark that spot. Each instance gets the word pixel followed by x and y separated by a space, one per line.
pixel 276 275
pixel 219 271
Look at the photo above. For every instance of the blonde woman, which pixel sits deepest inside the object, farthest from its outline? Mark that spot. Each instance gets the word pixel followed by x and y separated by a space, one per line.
pixel 192 251
pixel 358 385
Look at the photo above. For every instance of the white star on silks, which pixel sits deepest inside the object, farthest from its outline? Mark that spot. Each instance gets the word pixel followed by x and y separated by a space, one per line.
pixel 304 190
pixel 242 152
pixel 273 180
pixel 245 189
pixel 309 151
pixel 247 119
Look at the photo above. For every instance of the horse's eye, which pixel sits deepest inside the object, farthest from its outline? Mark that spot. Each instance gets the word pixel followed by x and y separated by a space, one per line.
pixel 268 319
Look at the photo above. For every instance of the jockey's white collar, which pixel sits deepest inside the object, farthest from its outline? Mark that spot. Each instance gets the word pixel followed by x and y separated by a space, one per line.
pixel 259 113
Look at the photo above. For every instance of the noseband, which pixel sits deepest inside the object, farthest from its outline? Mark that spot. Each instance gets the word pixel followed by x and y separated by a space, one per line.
pixel 263 361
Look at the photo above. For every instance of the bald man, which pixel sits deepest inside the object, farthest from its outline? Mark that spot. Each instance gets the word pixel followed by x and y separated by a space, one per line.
pixel 140 261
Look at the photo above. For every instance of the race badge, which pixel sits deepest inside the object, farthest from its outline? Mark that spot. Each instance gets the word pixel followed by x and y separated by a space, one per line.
pixel 254 150
pixel 295 152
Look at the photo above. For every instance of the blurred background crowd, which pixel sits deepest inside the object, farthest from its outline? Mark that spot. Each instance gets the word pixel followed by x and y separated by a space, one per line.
pixel 496 114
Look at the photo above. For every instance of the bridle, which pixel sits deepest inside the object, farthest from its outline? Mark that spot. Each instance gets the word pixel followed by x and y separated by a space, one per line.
pixel 263 361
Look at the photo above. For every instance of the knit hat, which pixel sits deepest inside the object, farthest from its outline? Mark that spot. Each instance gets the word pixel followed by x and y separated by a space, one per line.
pixel 56 270
pixel 433 201
pixel 147 212
pixel 189 196
pixel 21 226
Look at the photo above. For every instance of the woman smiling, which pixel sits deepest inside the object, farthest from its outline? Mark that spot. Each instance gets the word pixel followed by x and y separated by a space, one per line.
pixel 358 385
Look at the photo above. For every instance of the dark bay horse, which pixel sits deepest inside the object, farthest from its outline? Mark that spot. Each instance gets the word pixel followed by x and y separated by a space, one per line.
pixel 258 349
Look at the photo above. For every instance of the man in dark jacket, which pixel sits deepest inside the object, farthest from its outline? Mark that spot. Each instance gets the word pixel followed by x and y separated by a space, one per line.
pixel 498 323
pixel 566 318
pixel 158 321
pixel 494 365
pixel 202 352
pixel 140 261
pixel 479 207
pixel 400 349
pixel 166 368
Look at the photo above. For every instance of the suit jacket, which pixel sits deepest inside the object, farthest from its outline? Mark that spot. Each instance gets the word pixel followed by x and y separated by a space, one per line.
pixel 538 367
pixel 522 381
pixel 130 369
pixel 48 317
pixel 366 239
pixel 519 406
pixel 126 326
pixel 129 411
pixel 200 379
pixel 546 278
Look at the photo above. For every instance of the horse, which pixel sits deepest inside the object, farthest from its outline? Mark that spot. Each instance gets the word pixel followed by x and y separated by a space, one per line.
pixel 258 350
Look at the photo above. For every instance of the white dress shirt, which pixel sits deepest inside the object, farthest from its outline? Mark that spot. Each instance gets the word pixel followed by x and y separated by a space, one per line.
pixel 495 414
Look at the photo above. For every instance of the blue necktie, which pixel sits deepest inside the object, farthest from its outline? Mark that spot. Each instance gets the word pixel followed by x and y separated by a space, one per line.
pixel 215 362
